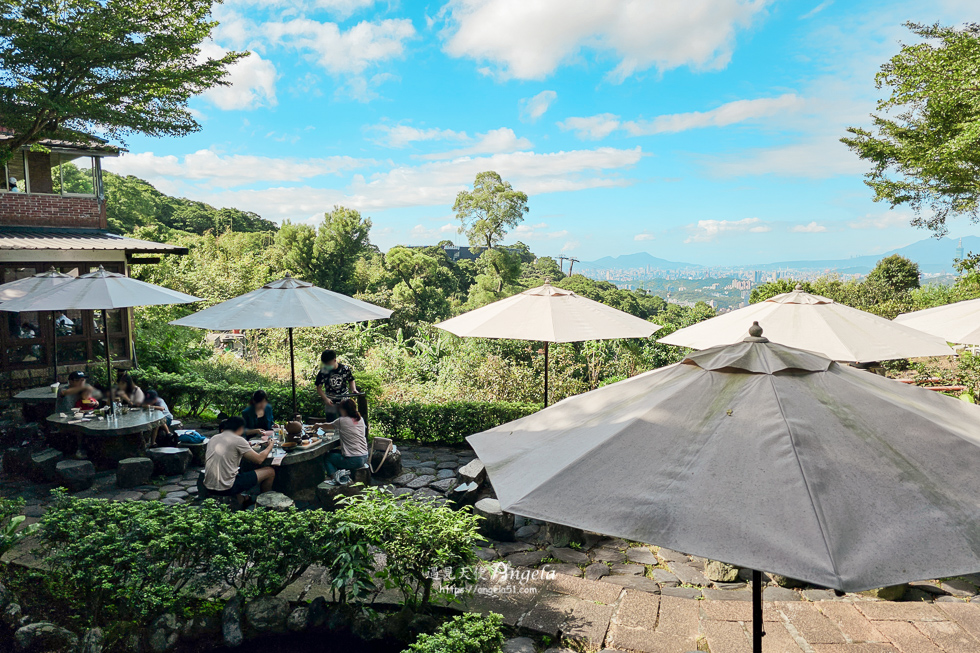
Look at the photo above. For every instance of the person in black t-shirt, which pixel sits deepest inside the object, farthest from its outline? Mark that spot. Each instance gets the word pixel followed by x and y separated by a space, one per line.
pixel 333 380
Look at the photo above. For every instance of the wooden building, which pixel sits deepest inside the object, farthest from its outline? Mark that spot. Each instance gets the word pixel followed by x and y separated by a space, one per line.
pixel 53 214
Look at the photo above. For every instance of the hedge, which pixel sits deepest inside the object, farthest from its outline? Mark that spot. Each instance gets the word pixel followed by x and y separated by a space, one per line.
pixel 447 423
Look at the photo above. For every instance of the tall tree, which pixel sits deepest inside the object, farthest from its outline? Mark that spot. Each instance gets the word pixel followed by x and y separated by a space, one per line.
pixel 486 212
pixel 925 146
pixel 897 272
pixel 80 69
pixel 341 240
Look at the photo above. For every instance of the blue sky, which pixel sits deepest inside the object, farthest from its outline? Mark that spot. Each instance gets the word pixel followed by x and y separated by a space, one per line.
pixel 703 131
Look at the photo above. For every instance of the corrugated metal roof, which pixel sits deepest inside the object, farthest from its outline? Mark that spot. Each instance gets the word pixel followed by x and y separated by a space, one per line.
pixel 95 145
pixel 32 238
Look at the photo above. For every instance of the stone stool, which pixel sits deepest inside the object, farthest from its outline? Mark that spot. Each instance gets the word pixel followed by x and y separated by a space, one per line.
pixel 362 475
pixel 224 499
pixel 169 461
pixel 328 495
pixel 496 524
pixel 133 472
pixel 76 475
pixel 17 461
pixel 275 501
pixel 44 465
pixel 198 452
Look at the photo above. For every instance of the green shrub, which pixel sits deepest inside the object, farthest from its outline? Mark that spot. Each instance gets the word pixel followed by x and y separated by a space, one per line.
pixel 420 540
pixel 447 423
pixel 468 633
pixel 11 532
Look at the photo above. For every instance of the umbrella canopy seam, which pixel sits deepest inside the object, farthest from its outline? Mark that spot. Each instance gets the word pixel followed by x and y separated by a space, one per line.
pixel 817 513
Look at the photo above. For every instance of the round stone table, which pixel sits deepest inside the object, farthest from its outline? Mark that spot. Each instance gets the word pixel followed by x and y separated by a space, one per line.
pixel 114 437
pixel 301 468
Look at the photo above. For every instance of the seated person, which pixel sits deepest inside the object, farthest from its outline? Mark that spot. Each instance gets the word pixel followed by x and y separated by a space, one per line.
pixel 85 399
pixel 68 394
pixel 353 441
pixel 333 379
pixel 154 401
pixel 258 416
pixel 223 457
pixel 126 390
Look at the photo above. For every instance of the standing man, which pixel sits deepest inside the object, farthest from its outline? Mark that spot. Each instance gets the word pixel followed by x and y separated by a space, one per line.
pixel 333 380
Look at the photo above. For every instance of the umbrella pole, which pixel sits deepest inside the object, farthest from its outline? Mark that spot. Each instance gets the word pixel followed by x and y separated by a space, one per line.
pixel 108 362
pixel 546 375
pixel 54 344
pixel 757 632
pixel 292 369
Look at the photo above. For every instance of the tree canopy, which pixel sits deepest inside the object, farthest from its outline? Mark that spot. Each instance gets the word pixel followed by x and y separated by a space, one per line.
pixel 924 148
pixel 492 207
pixel 81 69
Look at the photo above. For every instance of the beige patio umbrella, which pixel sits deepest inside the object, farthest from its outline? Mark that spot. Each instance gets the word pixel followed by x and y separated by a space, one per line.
pixel 548 314
pixel 37 284
pixel 285 304
pixel 959 322
pixel 98 291
pixel 762 456
pixel 818 324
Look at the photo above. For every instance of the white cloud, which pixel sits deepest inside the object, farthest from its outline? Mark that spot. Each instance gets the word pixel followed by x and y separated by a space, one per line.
pixel 439 233
pixel 570 246
pixel 532 108
pixel 592 127
pixel 539 231
pixel 404 135
pixel 812 228
pixel 644 236
pixel 338 51
pixel 339 8
pixel 814 158
pixel 816 10
pixel 601 125
pixel 228 170
pixel 529 40
pixel 885 220
pixel 252 81
pixel 438 182
pixel 727 114
pixel 492 142
pixel 706 230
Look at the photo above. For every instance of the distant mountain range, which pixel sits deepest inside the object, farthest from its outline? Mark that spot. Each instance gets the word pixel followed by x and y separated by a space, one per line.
pixel 932 255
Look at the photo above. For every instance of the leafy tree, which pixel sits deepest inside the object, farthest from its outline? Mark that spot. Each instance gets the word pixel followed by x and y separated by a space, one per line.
pixel 925 147
pixel 72 69
pixel 420 283
pixel 295 245
pixel 486 212
pixel 343 237
pixel 498 271
pixel 897 272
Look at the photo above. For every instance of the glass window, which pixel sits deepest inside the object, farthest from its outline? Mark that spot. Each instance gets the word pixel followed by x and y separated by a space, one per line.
pixel 72 352
pixel 69 323
pixel 15 180
pixel 15 273
pixel 26 354
pixel 73 174
pixel 115 320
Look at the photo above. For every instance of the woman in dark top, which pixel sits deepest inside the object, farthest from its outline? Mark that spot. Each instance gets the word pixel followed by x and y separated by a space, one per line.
pixel 258 416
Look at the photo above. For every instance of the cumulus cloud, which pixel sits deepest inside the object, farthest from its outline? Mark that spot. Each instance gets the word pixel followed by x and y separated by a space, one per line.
pixel 592 127
pixel 706 230
pixel 403 135
pixel 601 125
pixel 338 51
pixel 228 170
pixel 532 108
pixel 422 232
pixel 530 40
pixel 885 220
pixel 811 228
pixel 644 236
pixel 539 231
pixel 492 142
pixel 437 183
pixel 252 81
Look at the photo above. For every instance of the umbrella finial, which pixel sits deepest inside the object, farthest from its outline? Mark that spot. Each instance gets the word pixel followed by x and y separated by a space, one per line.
pixel 799 288
pixel 755 334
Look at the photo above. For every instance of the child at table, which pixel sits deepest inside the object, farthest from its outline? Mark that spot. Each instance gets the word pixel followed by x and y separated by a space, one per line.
pixel 85 399
pixel 154 401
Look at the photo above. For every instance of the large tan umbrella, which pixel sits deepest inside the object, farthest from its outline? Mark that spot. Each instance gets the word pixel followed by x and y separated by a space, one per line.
pixel 285 304
pixel 98 291
pixel 548 314
pixel 818 324
pixel 33 285
pixel 959 322
pixel 762 456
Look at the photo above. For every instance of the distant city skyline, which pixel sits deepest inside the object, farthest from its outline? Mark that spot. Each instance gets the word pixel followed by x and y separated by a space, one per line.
pixel 704 130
